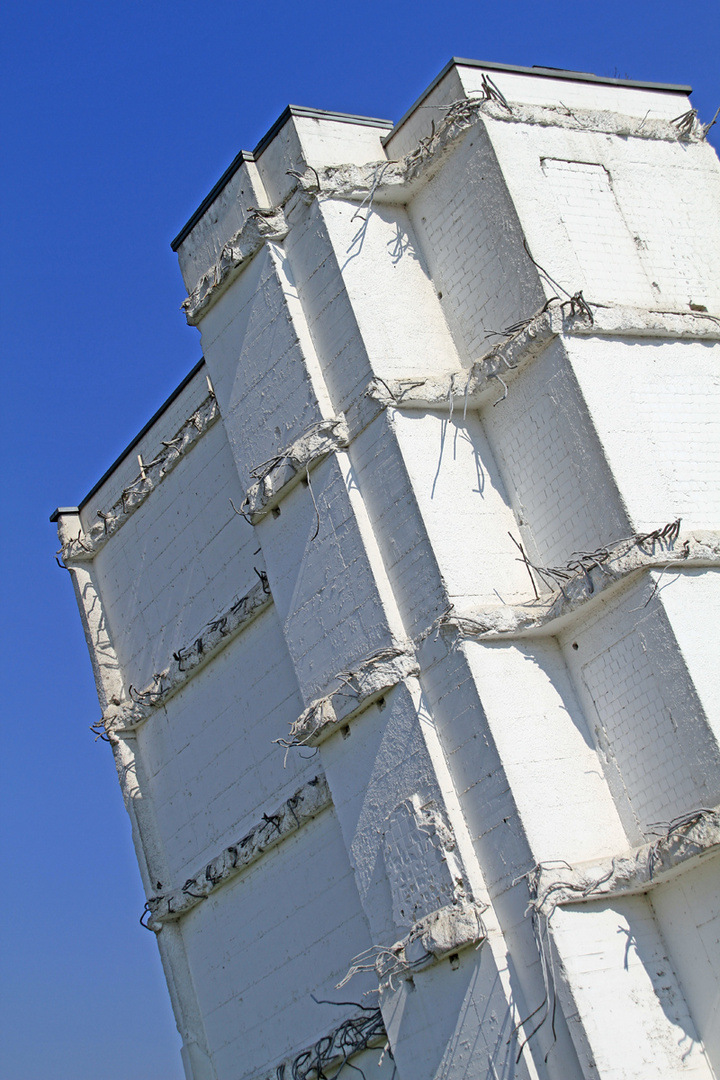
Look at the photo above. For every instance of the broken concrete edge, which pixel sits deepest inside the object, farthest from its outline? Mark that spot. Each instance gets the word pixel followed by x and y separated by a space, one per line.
pixel 260 226
pixel 599 571
pixel 601 121
pixel 395 181
pixel 125 717
pixel 305 804
pixel 619 320
pixel 637 870
pixel 85 547
pixel 360 1031
pixel 358 689
pixel 440 934
pixel 697 549
pixel 466 387
pixel 463 114
pixel 504 360
pixel 279 475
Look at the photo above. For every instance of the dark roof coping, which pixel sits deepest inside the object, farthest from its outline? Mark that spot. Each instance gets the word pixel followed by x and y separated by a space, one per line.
pixel 63 510
pixel 131 446
pixel 246 155
pixel 209 199
pixel 540 72
pixel 315 114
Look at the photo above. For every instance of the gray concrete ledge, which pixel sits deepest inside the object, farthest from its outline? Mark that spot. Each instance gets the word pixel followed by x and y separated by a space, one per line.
pixel 307 802
pixel 125 717
pixel 685 841
pixel 85 547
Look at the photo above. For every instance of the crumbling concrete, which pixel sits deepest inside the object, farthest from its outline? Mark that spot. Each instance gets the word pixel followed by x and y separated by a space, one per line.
pixel 333 1050
pixel 86 546
pixel 307 802
pixel 440 934
pixel 584 579
pixel 635 871
pixel 396 181
pixel 127 716
pixel 473 388
pixel 260 226
pixel 358 689
pixel 279 475
pixel 564 723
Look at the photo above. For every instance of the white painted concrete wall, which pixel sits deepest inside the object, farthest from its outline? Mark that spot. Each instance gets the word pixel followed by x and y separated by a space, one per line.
pixel 500 755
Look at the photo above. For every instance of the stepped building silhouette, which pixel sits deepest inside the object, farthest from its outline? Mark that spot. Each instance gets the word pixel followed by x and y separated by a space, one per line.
pixel 403 609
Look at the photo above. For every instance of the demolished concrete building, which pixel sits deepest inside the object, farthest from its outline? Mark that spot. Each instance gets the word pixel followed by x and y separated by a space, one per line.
pixel 400 609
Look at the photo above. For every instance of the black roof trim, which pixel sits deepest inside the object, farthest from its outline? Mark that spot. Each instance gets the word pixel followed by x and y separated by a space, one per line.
pixel 210 198
pixel 246 155
pixel 315 114
pixel 131 446
pixel 541 72
pixel 63 510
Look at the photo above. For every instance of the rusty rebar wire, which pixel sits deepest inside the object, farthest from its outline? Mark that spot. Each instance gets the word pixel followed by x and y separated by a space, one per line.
pixel 543 271
pixel 504 386
pixel 706 127
pixel 527 563
pixel 685 122
pixel 317 512
pixel 492 93
pixel 263 580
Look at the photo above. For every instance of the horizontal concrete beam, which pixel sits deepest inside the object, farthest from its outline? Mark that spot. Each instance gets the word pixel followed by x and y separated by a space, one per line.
pixel 236 254
pixel 338 1046
pixel 276 477
pixel 86 546
pixel 358 689
pixel 396 181
pixel 125 717
pixel 495 370
pixel 691 837
pixel 585 578
pixel 307 802
pixel 436 936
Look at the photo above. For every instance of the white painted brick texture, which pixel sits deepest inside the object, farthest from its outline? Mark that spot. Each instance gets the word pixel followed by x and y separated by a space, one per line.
pixel 180 560
pixel 269 939
pixel 209 753
pixel 558 745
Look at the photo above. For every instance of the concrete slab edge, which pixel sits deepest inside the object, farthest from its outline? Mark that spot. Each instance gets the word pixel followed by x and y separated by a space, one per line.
pixel 125 717
pixel 86 546
pixel 687 839
pixel 305 804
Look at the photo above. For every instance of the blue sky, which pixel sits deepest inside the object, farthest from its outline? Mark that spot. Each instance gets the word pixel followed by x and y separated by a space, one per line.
pixel 117 121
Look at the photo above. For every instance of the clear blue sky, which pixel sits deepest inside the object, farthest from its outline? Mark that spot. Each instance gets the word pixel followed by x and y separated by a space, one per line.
pixel 118 119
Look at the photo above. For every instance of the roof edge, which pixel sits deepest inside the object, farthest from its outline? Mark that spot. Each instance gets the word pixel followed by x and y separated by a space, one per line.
pixel 210 198
pixel 539 72
pixel 60 510
pixel 248 155
pixel 133 443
